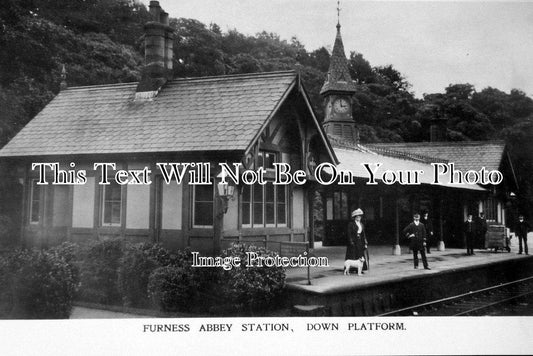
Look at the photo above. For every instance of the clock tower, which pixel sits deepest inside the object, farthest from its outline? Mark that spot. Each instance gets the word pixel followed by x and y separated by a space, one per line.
pixel 337 93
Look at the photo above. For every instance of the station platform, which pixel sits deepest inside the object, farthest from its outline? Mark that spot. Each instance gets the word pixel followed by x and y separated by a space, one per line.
pixel 392 282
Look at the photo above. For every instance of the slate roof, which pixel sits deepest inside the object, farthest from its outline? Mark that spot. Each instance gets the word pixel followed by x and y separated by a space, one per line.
pixel 338 78
pixel 198 114
pixel 351 159
pixel 466 155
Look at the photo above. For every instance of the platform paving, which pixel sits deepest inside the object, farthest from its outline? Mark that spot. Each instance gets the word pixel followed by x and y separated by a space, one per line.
pixel 386 267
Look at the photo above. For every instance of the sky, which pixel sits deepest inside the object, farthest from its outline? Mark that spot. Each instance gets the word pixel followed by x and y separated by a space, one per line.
pixel 433 43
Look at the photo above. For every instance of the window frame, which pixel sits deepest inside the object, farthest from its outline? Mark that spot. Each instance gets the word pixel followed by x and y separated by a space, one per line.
pixel 490 209
pixel 250 206
pixel 339 204
pixel 103 205
pixel 34 184
pixel 194 201
pixel 262 155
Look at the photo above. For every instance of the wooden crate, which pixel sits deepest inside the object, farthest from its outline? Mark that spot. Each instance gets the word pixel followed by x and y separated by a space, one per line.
pixel 496 237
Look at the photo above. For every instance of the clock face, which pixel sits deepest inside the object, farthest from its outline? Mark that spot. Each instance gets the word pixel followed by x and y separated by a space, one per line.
pixel 341 105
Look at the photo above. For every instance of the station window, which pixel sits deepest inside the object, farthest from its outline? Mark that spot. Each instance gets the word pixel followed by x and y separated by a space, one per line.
pixel 203 205
pixel 490 208
pixel 35 202
pixel 112 204
pixel 264 205
pixel 340 206
pixel 267 159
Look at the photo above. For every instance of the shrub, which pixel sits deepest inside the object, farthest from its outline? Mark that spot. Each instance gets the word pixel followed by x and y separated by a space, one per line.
pixel 179 287
pixel 174 287
pixel 251 287
pixel 99 272
pixel 158 253
pixel 136 265
pixel 6 291
pixel 36 284
pixel 70 253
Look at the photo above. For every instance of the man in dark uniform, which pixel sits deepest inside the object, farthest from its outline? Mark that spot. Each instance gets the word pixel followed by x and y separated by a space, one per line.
pixel 481 229
pixel 429 230
pixel 416 232
pixel 469 230
pixel 521 230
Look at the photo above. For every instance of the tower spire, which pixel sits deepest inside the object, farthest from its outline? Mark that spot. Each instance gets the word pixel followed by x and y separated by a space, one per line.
pixel 337 92
pixel 338 78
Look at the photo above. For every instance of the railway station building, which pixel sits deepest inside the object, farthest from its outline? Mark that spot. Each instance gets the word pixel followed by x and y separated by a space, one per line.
pixel 256 120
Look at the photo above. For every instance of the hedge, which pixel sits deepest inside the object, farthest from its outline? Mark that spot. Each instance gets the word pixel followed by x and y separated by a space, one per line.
pixel 136 265
pixel 36 285
pixel 175 287
pixel 42 284
pixel 99 272
pixel 251 287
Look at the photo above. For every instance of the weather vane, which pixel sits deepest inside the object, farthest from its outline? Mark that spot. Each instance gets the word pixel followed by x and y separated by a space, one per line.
pixel 338 14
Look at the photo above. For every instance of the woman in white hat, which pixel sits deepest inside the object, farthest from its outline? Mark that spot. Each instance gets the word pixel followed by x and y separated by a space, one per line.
pixel 357 242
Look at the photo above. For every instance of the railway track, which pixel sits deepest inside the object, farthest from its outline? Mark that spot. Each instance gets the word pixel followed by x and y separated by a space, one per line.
pixel 478 302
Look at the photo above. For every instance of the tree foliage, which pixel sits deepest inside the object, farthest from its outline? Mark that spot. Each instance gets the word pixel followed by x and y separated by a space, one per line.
pixel 100 41
pixel 38 37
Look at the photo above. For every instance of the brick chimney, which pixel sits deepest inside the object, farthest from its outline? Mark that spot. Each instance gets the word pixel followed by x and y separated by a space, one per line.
pixel 158 53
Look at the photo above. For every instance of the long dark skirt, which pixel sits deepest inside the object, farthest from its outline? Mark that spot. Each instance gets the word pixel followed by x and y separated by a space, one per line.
pixel 356 251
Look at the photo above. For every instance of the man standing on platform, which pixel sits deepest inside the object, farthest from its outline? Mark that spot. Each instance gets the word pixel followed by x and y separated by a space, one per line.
pixel 429 230
pixel 521 230
pixel 469 231
pixel 416 232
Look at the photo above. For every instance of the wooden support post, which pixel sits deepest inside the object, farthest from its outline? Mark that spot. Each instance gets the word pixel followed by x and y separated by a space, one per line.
pixel 440 246
pixel 218 224
pixel 308 267
pixel 397 250
pixel 311 205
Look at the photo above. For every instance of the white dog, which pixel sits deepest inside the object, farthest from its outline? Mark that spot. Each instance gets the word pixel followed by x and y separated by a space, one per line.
pixel 355 264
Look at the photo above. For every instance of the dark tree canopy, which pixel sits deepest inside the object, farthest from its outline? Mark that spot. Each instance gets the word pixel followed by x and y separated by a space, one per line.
pixel 100 41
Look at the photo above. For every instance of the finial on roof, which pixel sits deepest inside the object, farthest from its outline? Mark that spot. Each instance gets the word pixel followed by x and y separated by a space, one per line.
pixel 298 68
pixel 63 85
pixel 338 15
